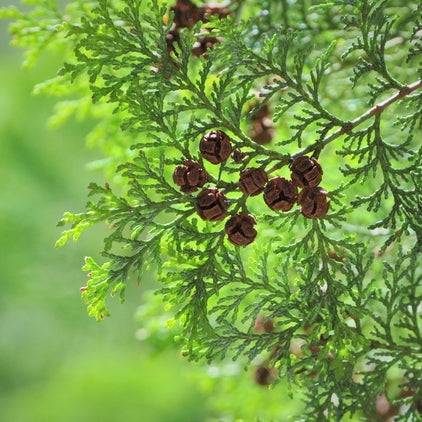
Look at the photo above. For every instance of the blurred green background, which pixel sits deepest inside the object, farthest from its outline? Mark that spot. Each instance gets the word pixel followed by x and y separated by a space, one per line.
pixel 56 363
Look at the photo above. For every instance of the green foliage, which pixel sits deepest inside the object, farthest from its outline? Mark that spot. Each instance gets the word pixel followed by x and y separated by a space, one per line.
pixel 52 358
pixel 343 80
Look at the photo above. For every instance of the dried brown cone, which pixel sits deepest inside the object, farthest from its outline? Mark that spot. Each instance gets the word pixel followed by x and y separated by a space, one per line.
pixel 190 176
pixel 238 155
pixel 215 146
pixel 385 410
pixel 262 113
pixel 252 181
pixel 171 38
pixel 264 376
pixel 239 229
pixel 211 204
pixel 187 14
pixel 314 202
pixel 263 325
pixel 306 172
pixel 418 405
pixel 261 129
pixel 260 133
pixel 280 194
pixel 202 44
pixel 216 9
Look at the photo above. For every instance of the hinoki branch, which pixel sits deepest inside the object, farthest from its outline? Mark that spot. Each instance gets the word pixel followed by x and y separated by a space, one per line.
pixel 349 126
pixel 273 270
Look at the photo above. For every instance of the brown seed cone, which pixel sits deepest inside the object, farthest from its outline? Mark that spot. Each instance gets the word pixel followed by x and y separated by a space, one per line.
pixel 280 194
pixel 385 410
pixel 264 376
pixel 171 38
pixel 306 172
pixel 261 129
pixel 260 132
pixel 187 14
pixel 252 181
pixel 215 146
pixel 314 202
pixel 239 229
pixel 263 325
pixel 202 44
pixel 190 176
pixel 216 9
pixel 262 113
pixel 211 204
pixel 238 155
pixel 418 405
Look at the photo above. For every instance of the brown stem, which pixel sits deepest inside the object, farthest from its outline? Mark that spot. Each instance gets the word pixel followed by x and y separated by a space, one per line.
pixel 373 111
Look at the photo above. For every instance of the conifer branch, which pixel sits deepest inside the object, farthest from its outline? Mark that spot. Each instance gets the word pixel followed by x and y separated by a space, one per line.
pixel 319 285
pixel 346 127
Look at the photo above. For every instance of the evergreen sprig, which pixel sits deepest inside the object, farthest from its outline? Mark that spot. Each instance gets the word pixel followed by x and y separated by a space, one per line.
pixel 340 294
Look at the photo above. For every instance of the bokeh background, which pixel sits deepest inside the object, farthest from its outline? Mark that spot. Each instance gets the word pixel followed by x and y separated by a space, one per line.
pixel 56 363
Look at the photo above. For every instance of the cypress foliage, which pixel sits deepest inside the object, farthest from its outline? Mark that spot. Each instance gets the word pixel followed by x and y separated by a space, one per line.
pixel 331 262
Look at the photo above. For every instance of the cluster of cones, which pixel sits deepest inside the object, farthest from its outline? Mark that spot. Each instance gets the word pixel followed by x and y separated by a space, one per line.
pixel 279 193
pixel 186 15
